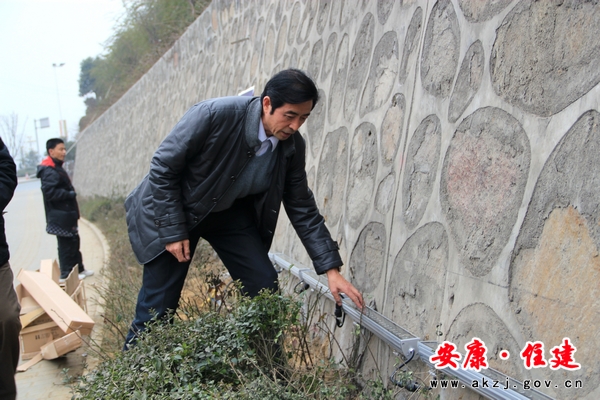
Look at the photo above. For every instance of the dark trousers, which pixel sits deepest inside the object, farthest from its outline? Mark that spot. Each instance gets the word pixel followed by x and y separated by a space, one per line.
pixel 69 255
pixel 10 326
pixel 234 236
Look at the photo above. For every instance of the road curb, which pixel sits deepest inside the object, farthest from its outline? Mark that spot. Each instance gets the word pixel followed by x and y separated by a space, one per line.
pixel 101 238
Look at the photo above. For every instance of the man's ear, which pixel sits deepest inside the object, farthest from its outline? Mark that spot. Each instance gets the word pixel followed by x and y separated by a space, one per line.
pixel 266 103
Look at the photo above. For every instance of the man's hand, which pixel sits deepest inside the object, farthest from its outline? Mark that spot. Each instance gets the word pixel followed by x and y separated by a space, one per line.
pixel 338 284
pixel 181 250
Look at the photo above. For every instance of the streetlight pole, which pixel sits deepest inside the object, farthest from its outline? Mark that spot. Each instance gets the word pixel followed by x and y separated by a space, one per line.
pixel 60 121
pixel 36 136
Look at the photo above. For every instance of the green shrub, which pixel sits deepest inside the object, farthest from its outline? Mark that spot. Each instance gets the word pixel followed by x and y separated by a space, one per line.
pixel 237 354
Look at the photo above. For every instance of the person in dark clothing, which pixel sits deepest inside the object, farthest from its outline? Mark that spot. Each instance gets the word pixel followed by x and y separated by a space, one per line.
pixel 62 211
pixel 10 325
pixel 222 174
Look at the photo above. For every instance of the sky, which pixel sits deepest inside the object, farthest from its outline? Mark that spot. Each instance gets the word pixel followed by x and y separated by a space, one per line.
pixel 34 35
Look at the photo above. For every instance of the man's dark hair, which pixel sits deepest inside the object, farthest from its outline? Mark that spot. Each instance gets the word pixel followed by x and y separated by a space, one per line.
pixel 291 86
pixel 52 143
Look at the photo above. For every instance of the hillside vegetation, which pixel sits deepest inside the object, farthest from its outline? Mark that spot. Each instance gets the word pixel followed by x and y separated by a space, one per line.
pixel 145 32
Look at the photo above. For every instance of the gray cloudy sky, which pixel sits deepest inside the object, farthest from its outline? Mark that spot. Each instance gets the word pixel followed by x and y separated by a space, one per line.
pixel 34 34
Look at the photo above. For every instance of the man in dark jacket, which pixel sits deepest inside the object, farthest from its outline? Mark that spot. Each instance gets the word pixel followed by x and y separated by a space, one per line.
pixel 222 174
pixel 10 325
pixel 62 211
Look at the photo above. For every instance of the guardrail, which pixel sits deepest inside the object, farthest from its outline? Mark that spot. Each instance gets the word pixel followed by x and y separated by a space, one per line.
pixel 407 344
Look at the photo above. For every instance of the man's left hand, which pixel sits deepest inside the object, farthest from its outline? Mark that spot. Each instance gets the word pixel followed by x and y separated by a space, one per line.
pixel 338 284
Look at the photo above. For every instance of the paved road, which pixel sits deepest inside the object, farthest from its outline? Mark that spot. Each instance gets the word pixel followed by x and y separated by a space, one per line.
pixel 25 225
pixel 29 244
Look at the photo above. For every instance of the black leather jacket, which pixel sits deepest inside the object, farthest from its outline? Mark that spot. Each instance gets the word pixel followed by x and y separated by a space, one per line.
pixel 200 160
pixel 8 183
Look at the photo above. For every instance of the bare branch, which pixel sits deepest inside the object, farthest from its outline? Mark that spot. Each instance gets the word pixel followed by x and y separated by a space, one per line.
pixel 9 130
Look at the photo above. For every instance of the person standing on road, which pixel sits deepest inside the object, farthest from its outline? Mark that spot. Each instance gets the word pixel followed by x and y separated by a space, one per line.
pixel 62 211
pixel 10 325
pixel 222 174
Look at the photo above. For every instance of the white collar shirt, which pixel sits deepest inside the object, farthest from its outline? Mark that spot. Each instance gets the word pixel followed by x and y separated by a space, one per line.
pixel 264 141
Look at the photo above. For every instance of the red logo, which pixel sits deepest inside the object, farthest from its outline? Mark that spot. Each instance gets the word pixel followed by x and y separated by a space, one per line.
pixel 533 354
pixel 563 356
pixel 476 355
pixel 444 355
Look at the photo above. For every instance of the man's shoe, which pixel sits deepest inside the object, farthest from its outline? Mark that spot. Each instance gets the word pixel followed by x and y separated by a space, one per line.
pixel 85 274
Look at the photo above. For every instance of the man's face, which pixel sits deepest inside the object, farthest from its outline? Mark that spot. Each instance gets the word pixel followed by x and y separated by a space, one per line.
pixel 58 152
pixel 285 120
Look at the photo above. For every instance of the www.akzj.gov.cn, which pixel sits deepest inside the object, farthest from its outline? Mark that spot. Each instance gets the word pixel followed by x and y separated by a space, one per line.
pixel 527 384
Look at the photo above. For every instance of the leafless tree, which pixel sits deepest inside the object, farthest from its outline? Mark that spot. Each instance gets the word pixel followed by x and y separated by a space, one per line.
pixel 11 135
